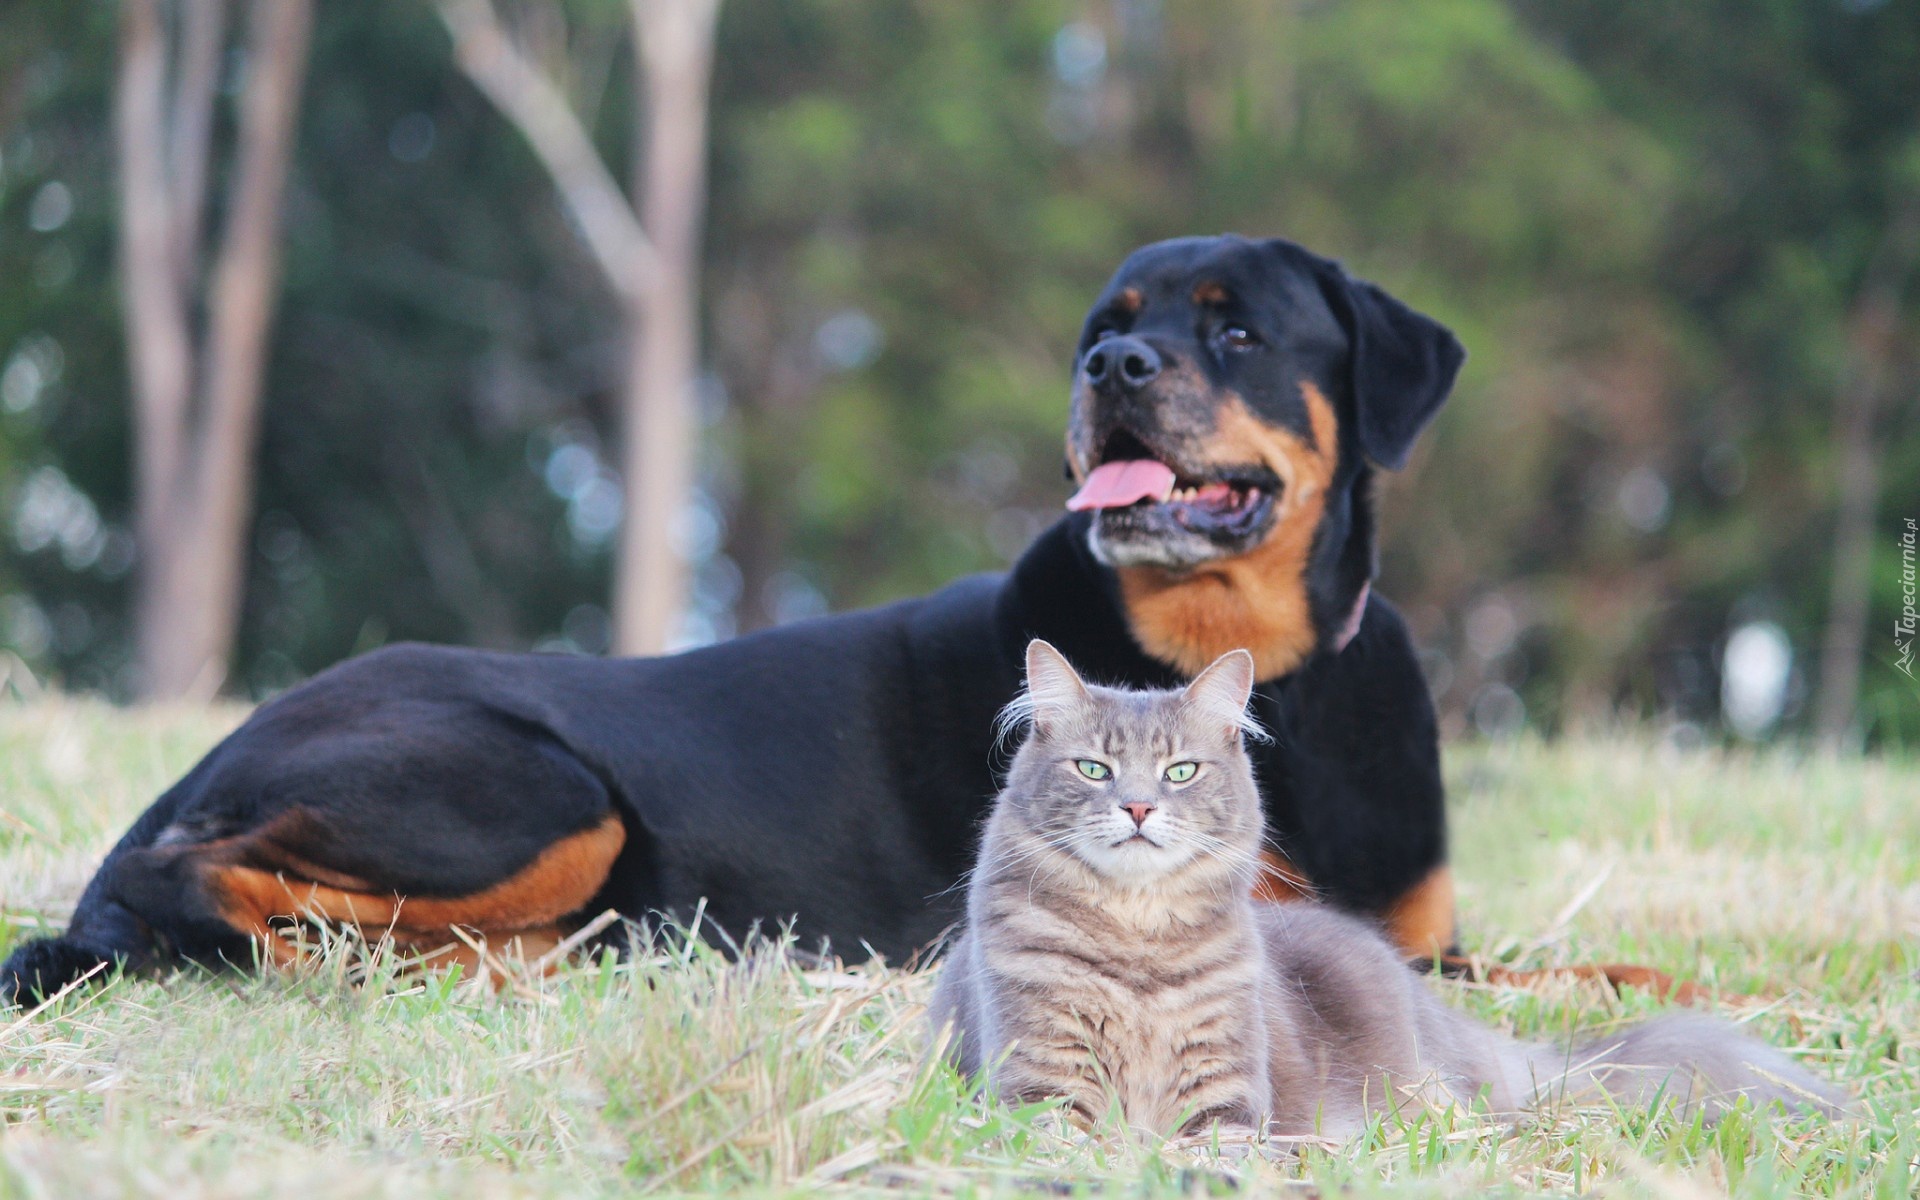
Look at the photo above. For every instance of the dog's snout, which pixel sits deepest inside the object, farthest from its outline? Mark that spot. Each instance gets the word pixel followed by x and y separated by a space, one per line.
pixel 1125 361
pixel 1097 364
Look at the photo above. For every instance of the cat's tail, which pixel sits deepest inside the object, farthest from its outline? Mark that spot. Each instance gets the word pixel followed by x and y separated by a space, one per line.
pixel 1687 1060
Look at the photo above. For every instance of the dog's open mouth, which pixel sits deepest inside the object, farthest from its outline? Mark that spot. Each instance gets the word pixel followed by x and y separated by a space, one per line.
pixel 1134 480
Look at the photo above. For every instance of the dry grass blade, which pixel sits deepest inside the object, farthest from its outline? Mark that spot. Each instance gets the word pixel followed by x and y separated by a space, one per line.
pixel 78 985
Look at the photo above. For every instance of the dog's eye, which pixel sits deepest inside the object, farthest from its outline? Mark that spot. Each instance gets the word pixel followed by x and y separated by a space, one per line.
pixel 1238 337
pixel 1180 772
pixel 1096 771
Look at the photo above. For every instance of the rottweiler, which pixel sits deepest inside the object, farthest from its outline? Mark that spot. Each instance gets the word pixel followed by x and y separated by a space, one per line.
pixel 1232 400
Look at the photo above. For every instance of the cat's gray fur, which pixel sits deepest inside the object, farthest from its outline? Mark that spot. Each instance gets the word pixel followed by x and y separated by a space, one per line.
pixel 1107 959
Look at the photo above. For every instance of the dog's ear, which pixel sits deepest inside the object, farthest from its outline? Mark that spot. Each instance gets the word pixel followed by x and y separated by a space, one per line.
pixel 1404 364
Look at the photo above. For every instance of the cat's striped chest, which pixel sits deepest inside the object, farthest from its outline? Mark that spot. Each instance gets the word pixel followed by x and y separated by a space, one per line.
pixel 1169 1027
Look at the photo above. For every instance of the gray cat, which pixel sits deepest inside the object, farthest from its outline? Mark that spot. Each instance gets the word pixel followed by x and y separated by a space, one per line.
pixel 1113 952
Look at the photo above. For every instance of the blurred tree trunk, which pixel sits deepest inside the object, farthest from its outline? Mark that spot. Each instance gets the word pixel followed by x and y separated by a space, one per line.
pixel 648 249
pixel 1872 330
pixel 196 386
pixel 674 39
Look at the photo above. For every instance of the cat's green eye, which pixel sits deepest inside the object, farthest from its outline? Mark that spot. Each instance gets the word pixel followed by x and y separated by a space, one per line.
pixel 1181 772
pixel 1095 771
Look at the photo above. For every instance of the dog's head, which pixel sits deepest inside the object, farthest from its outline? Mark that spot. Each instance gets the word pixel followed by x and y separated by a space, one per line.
pixel 1229 396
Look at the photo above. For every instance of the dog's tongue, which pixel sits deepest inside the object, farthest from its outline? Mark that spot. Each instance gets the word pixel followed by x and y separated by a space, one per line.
pixel 1118 484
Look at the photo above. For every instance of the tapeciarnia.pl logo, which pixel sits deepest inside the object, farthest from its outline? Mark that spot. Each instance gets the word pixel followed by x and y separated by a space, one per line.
pixel 1905 623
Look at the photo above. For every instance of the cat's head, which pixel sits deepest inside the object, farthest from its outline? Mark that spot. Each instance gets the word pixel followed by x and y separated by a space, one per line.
pixel 1137 784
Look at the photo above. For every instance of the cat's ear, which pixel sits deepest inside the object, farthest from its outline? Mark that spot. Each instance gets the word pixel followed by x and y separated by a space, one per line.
pixel 1055 690
pixel 1218 695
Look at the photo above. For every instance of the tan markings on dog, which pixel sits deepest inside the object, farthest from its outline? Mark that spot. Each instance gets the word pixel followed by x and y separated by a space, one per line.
pixel 1614 975
pixel 1421 921
pixel 527 905
pixel 1210 293
pixel 1256 601
pixel 1129 300
pixel 1280 881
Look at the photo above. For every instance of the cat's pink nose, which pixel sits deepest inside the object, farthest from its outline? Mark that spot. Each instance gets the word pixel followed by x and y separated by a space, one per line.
pixel 1138 810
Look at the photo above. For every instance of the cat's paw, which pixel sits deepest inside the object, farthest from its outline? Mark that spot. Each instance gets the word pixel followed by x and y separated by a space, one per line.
pixel 1226 1128
pixel 1223 1143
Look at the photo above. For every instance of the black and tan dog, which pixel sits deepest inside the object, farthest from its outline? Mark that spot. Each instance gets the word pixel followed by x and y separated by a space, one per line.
pixel 1231 403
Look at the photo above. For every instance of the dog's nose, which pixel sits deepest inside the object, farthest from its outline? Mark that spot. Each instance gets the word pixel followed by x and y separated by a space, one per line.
pixel 1138 810
pixel 1127 361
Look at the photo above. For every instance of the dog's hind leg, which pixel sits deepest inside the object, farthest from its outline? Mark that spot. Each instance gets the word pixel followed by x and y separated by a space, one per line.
pixel 225 902
pixel 257 888
pixel 503 836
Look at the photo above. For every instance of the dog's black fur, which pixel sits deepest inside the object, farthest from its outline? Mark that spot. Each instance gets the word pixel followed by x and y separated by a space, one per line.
pixel 834 772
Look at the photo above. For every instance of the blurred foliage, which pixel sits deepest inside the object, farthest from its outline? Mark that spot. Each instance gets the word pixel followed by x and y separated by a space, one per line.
pixel 1646 221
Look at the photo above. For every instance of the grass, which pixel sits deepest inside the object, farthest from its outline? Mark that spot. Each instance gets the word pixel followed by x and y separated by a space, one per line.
pixel 1765 873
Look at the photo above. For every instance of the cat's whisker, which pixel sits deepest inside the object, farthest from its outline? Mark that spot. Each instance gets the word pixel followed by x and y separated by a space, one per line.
pixel 1055 867
pixel 1260 870
pixel 1047 853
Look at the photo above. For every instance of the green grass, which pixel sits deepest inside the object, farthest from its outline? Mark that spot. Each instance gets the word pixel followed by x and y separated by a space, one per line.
pixel 1796 878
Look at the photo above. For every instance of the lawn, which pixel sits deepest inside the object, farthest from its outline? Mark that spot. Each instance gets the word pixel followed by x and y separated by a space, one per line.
pixel 1791 878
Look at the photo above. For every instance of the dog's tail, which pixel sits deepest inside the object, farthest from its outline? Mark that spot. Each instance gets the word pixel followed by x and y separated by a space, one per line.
pixel 1690 1061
